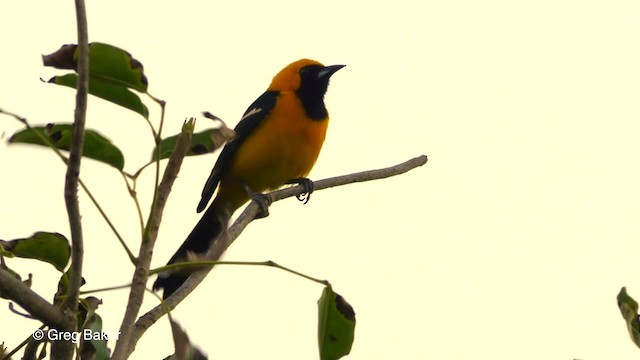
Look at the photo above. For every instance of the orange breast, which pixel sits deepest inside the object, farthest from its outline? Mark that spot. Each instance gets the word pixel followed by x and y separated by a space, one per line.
pixel 285 146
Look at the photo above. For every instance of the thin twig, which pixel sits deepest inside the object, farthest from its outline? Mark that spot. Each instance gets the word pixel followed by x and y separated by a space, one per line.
pixel 163 105
pixel 139 171
pixel 110 288
pixel 134 197
pixel 156 135
pixel 132 257
pixel 141 274
pixel 204 264
pixel 249 213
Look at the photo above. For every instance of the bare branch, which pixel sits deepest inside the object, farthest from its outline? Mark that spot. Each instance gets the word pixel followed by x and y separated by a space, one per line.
pixel 75 156
pixel 141 274
pixel 249 213
pixel 64 349
pixel 37 306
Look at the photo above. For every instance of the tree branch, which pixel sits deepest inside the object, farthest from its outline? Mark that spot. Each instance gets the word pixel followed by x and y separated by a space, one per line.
pixel 249 213
pixel 75 157
pixel 65 349
pixel 37 306
pixel 141 274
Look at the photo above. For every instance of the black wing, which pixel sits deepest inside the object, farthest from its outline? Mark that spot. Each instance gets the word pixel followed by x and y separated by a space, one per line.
pixel 253 117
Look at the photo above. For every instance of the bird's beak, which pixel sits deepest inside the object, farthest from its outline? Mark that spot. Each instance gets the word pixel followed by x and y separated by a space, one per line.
pixel 327 71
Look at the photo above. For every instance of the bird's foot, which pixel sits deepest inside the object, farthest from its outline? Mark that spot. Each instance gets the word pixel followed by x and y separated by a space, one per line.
pixel 308 188
pixel 263 201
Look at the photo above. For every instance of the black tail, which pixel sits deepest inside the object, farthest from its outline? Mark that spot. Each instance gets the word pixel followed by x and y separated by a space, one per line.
pixel 198 242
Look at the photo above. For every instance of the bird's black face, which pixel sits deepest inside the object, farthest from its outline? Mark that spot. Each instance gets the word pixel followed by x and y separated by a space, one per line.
pixel 314 81
pixel 310 82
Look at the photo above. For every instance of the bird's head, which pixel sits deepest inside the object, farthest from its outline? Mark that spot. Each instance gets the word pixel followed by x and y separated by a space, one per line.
pixel 305 75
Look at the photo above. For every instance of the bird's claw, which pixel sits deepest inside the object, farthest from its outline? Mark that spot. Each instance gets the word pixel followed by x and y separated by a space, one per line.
pixel 308 188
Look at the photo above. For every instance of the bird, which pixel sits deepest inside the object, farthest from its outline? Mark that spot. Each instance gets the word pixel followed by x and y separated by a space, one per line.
pixel 277 142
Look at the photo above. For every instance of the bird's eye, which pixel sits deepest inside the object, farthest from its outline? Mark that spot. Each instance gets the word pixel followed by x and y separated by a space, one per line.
pixel 304 72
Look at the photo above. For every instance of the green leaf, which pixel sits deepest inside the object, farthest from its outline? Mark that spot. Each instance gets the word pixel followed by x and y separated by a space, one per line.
pixel 203 142
pixel 629 310
pixel 45 246
pixel 97 343
pixel 184 350
pixel 112 72
pixel 115 93
pixel 106 62
pixel 336 325
pixel 96 146
pixel 95 346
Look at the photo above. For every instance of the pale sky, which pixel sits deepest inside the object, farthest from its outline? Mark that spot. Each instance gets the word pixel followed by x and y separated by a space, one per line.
pixel 511 243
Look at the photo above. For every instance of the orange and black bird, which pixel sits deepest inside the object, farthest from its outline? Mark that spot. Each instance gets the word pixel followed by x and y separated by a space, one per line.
pixel 277 142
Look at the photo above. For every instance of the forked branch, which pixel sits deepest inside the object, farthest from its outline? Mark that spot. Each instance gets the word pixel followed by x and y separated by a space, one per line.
pixel 249 213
